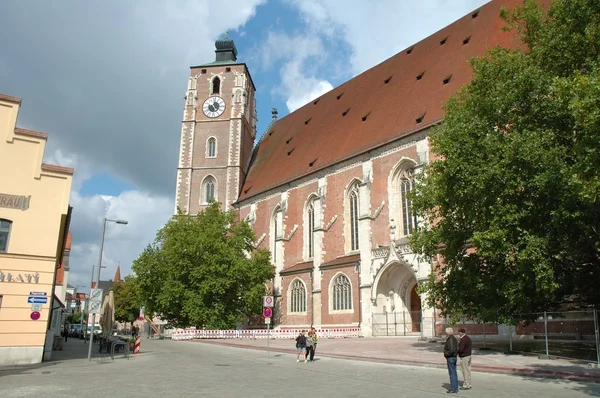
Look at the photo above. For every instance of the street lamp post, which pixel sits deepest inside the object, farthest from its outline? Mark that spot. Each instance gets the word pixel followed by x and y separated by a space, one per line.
pixel 98 276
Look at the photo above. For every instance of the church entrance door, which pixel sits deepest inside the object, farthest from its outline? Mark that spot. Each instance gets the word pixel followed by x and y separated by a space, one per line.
pixel 398 306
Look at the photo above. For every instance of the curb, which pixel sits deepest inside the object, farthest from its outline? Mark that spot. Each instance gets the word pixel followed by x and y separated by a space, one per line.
pixel 538 373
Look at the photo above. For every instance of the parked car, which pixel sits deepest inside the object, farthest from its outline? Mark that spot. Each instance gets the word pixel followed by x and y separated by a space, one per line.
pixel 75 330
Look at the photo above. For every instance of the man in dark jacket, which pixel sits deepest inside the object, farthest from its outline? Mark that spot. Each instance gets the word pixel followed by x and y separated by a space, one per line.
pixel 464 353
pixel 450 353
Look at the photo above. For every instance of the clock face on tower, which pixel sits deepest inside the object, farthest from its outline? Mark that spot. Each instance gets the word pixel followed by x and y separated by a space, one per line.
pixel 213 106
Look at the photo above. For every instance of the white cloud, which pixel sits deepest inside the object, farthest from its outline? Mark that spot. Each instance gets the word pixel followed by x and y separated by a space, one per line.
pixel 301 89
pixel 339 41
pixel 379 29
pixel 106 79
pixel 303 56
pixel 145 213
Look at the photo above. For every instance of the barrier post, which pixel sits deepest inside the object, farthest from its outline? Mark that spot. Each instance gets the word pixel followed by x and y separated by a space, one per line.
pixel 136 347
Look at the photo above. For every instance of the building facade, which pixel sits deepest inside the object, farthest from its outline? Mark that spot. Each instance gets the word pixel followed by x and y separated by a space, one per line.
pixel 326 188
pixel 34 218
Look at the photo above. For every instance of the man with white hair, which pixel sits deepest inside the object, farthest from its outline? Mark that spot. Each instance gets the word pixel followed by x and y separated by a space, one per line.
pixel 450 353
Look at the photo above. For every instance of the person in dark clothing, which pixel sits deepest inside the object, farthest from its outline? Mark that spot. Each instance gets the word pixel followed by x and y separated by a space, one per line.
pixel 450 353
pixel 464 353
pixel 301 347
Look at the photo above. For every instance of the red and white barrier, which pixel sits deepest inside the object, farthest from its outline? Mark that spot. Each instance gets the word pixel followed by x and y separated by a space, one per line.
pixel 290 334
pixel 136 347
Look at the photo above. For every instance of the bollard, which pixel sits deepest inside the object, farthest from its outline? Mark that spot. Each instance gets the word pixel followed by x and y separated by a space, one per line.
pixel 136 347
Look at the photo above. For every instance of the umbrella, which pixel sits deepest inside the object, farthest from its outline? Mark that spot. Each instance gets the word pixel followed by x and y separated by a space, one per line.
pixel 108 314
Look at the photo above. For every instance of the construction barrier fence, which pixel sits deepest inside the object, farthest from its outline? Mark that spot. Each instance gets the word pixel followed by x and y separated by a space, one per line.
pixel 189 334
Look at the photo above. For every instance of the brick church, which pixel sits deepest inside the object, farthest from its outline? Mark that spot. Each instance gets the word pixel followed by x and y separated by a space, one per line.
pixel 325 187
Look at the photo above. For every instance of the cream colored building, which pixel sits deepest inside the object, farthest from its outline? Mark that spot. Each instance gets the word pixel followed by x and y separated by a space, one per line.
pixel 34 218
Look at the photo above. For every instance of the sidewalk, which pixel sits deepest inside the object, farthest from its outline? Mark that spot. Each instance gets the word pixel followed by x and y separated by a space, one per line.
pixel 73 355
pixel 410 351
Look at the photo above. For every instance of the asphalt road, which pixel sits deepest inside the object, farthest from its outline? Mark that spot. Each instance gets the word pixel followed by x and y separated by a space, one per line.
pixel 166 368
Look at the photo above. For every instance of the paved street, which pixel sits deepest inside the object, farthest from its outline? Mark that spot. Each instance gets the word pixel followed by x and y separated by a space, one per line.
pixel 167 368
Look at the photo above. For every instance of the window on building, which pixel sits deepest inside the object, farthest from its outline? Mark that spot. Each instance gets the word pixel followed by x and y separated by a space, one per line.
pixel 342 293
pixel 211 147
pixel 5 226
pixel 297 296
pixel 216 86
pixel 310 228
pixel 353 204
pixel 275 227
pixel 409 218
pixel 208 189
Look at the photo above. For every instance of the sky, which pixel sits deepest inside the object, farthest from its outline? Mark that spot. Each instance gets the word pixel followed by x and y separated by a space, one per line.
pixel 106 80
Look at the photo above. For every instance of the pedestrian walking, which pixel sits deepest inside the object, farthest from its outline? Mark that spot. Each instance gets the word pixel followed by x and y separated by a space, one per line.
pixel 464 353
pixel 450 353
pixel 310 347
pixel 315 340
pixel 301 347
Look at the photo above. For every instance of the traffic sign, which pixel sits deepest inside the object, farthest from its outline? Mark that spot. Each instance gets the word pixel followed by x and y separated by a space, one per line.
pixel 36 307
pixel 96 300
pixel 37 293
pixel 267 312
pixel 35 315
pixel 268 301
pixel 267 321
pixel 37 300
pixel 95 307
pixel 96 294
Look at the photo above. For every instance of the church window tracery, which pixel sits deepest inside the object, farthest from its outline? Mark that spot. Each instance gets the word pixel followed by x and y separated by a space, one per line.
pixel 297 296
pixel 211 147
pixel 342 293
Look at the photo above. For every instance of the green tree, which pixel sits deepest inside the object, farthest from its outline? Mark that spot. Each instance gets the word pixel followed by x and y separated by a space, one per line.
pixel 75 317
pixel 203 271
pixel 512 201
pixel 127 300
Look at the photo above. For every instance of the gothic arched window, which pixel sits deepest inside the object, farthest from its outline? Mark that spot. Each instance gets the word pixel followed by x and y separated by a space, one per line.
pixel 211 147
pixel 310 228
pixel 353 204
pixel 208 189
pixel 216 86
pixel 409 218
pixel 275 231
pixel 342 293
pixel 297 296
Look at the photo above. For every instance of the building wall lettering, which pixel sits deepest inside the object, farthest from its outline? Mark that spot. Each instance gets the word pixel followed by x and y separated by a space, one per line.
pixel 14 201
pixel 23 278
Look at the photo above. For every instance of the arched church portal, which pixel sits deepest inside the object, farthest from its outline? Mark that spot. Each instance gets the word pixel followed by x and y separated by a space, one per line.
pixel 397 305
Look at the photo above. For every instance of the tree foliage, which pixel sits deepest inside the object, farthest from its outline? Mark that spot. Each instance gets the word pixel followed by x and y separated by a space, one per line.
pixel 203 271
pixel 513 200
pixel 127 299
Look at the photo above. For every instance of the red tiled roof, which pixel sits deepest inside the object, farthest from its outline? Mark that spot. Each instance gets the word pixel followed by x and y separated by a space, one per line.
pixel 10 98
pixel 31 133
pixel 297 268
pixel 389 97
pixel 57 169
pixel 344 260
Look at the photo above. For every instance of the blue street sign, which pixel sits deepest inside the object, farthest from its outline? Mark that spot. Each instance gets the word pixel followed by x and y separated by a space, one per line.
pixel 37 300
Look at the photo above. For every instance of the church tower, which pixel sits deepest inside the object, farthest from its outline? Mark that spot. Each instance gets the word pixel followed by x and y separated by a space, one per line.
pixel 217 133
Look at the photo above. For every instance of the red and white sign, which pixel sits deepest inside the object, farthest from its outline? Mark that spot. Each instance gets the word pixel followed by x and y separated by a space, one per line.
pixel 35 315
pixel 268 301
pixel 267 312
